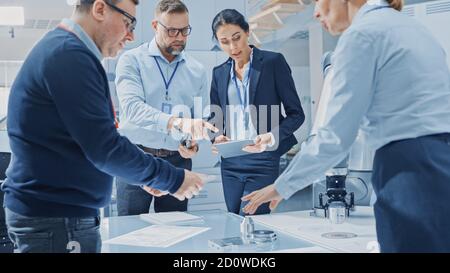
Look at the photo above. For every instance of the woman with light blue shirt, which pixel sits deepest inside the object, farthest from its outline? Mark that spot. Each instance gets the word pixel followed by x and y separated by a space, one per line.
pixel 392 81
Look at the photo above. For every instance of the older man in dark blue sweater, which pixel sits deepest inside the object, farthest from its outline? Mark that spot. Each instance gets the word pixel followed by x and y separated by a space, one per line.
pixel 64 142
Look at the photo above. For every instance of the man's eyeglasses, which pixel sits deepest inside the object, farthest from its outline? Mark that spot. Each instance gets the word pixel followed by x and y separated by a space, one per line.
pixel 173 32
pixel 131 25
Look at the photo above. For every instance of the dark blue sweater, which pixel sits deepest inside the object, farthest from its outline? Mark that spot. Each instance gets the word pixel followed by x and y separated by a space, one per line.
pixel 65 147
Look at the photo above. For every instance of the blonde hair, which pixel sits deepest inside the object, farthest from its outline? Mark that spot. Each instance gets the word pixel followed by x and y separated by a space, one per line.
pixel 396 4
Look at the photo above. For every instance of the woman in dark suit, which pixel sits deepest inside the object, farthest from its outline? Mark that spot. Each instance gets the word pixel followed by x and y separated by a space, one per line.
pixel 249 89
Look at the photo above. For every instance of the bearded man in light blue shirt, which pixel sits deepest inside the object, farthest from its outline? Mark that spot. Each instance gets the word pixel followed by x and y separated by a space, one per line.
pixel 158 85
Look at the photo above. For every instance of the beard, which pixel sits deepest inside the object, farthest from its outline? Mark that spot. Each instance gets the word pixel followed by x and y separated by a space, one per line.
pixel 175 51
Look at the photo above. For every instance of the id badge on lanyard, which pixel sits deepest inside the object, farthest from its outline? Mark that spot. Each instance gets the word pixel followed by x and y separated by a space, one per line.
pixel 166 106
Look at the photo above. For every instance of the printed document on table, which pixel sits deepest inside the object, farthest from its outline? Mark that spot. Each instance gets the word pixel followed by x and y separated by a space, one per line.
pixel 170 218
pixel 157 236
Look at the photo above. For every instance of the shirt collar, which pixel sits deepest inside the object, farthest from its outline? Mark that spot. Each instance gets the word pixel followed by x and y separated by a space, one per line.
pixel 246 70
pixel 369 6
pixel 154 51
pixel 76 29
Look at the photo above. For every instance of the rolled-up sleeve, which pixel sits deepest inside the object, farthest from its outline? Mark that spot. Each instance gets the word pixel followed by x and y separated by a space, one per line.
pixel 351 95
pixel 130 92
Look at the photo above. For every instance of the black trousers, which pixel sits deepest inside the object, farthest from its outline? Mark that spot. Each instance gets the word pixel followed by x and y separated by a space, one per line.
pixel 132 200
pixel 412 182
pixel 242 175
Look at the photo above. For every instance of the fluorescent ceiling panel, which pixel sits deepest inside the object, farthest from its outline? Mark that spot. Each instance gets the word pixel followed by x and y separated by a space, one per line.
pixel 12 16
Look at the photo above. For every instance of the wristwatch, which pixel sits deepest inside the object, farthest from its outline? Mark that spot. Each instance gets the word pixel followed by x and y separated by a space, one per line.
pixel 177 124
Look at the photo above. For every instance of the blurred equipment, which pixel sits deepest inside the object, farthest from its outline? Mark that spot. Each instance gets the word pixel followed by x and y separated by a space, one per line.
pixel 251 236
pixel 247 228
pixel 250 239
pixel 338 206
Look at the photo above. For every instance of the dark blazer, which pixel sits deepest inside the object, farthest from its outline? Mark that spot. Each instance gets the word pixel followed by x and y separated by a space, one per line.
pixel 271 84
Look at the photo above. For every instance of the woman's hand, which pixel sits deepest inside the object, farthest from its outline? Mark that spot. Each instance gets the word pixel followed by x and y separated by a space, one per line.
pixel 154 192
pixel 259 197
pixel 261 143
pixel 218 140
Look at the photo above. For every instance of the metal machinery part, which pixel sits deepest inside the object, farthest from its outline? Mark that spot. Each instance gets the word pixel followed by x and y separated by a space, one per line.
pixel 339 202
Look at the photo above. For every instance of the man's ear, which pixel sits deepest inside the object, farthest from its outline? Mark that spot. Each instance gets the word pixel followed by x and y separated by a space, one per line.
pixel 98 10
pixel 154 25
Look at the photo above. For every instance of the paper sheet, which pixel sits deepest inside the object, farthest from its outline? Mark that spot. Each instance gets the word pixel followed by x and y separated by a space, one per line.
pixel 157 236
pixel 366 236
pixel 168 218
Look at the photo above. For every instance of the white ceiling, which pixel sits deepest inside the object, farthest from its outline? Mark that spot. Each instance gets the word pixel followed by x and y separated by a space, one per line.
pixel 41 8
pixel 41 15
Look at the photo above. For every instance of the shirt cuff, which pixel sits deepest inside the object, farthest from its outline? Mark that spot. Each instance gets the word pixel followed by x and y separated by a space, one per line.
pixel 163 122
pixel 284 189
pixel 176 135
pixel 272 141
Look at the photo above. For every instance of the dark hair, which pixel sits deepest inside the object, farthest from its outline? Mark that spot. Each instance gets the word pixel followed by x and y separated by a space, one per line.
pixel 171 6
pixel 229 16
pixel 396 4
pixel 86 5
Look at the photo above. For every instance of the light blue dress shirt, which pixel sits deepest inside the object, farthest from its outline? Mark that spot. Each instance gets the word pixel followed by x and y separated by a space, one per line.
pixel 391 80
pixel 83 36
pixel 141 92
pixel 238 130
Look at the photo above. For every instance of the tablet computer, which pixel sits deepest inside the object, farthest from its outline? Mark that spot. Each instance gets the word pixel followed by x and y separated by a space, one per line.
pixel 233 148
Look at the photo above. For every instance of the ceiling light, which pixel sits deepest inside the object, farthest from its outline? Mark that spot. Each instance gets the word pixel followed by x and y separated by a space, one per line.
pixel 12 16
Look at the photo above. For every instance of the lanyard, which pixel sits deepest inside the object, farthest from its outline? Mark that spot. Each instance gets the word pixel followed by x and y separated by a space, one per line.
pixel 116 121
pixel 243 102
pixel 166 83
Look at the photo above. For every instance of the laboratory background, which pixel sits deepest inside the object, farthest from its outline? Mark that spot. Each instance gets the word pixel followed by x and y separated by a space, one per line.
pixel 306 222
